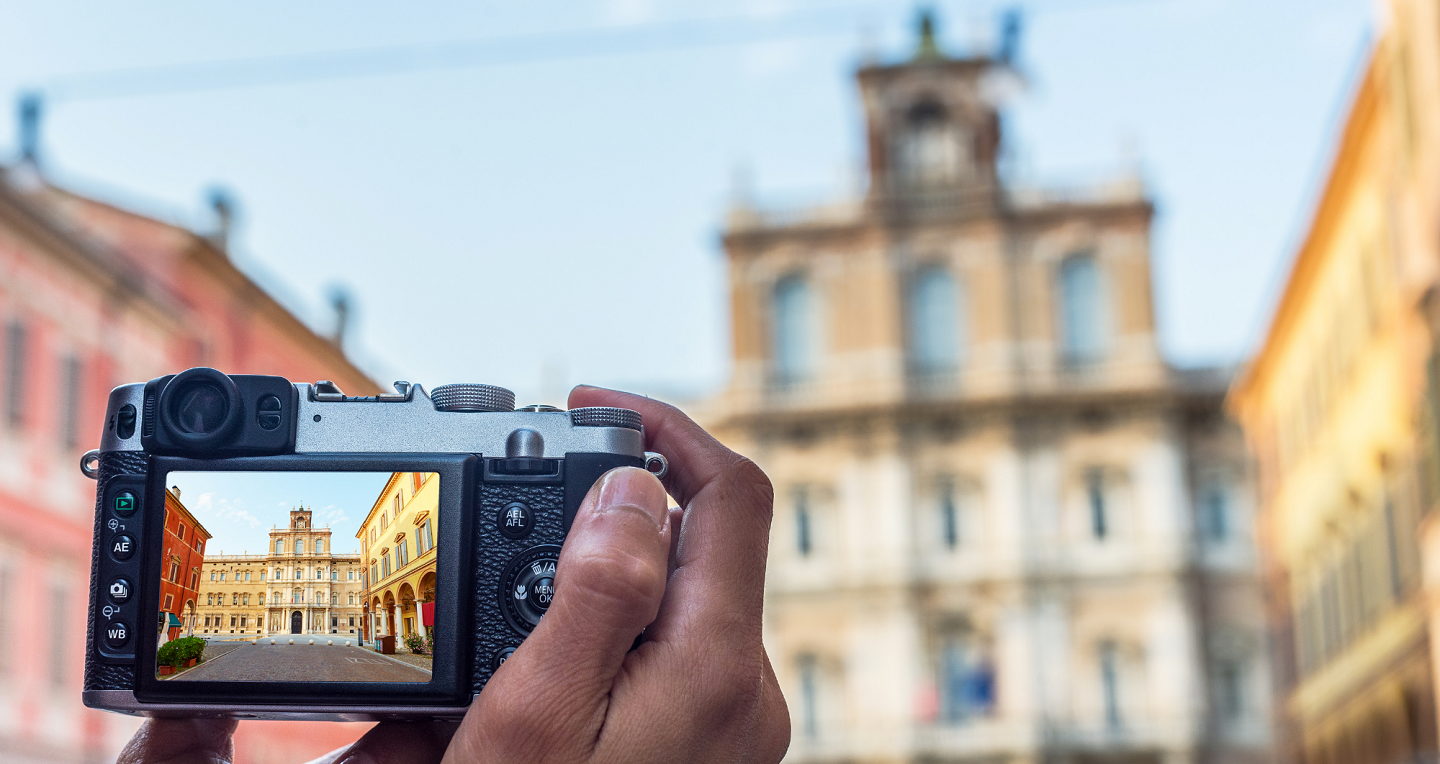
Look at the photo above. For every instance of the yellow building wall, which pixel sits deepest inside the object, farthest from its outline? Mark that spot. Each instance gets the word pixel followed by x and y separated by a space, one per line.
pixel 398 540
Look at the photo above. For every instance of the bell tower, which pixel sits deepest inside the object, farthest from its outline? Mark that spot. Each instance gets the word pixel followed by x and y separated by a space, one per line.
pixel 931 122
pixel 300 518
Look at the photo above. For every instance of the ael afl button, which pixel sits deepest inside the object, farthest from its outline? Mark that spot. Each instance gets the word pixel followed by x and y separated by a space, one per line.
pixel 515 520
pixel 269 412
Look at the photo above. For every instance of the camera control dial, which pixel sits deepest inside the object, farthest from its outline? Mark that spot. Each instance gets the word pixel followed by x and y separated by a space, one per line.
pixel 472 397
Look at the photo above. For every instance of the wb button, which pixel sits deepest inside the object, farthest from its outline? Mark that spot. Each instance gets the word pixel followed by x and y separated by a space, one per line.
pixel 117 634
pixel 122 547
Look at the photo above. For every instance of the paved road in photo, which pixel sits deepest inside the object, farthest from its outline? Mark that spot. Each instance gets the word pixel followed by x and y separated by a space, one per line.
pixel 302 663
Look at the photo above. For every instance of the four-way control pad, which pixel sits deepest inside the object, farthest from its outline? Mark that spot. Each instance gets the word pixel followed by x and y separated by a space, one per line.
pixel 528 586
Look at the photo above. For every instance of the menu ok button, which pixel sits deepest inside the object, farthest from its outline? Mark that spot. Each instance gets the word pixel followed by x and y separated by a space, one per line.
pixel 122 547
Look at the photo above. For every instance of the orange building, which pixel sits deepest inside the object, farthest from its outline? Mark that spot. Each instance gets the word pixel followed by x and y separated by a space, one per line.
pixel 182 559
pixel 93 296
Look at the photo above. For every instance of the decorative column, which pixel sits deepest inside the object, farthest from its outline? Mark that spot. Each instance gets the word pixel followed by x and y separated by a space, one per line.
pixel 419 620
pixel 399 622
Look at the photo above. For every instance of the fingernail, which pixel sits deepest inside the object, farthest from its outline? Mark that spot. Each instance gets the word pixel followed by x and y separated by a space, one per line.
pixel 632 487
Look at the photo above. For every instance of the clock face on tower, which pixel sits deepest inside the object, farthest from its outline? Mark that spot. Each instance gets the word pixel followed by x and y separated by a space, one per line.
pixel 930 149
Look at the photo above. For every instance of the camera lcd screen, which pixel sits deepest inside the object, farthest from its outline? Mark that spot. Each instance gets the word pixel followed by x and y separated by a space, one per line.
pixel 298 577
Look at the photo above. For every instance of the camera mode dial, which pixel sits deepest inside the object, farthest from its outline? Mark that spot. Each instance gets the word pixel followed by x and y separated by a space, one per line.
pixel 471 397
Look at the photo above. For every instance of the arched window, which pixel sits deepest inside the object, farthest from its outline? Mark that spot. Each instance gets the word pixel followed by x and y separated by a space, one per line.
pixel 1082 309
pixel 929 150
pixel 299 546
pixel 319 546
pixel 935 333
pixel 796 329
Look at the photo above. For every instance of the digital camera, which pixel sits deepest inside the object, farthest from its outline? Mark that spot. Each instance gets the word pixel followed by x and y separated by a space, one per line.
pixel 273 550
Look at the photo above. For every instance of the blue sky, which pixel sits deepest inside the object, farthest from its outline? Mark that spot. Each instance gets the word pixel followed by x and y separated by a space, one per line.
pixel 548 213
pixel 240 508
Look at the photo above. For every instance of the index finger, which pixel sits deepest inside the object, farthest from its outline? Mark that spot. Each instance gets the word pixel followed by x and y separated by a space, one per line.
pixel 722 548
pixel 696 459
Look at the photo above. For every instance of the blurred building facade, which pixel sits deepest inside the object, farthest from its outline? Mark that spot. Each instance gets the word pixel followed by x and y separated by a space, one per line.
pixel 1340 407
pixel 1006 530
pixel 92 296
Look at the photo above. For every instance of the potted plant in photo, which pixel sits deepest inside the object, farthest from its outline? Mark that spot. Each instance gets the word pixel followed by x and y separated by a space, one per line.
pixel 166 658
pixel 415 644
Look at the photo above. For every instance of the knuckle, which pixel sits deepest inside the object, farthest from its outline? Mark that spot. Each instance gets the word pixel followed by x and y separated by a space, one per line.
pixel 749 484
pixel 609 577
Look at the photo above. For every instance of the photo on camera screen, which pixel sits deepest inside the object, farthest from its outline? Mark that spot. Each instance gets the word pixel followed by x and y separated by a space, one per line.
pixel 298 577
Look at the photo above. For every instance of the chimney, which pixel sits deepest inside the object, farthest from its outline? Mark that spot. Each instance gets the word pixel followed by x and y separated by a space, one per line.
pixel 1009 35
pixel 175 489
pixel 340 302
pixel 224 205
pixel 30 128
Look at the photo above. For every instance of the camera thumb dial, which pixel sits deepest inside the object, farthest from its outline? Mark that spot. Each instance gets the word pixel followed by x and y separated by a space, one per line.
pixel 472 397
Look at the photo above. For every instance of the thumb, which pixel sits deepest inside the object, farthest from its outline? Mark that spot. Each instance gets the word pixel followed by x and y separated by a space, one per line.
pixel 608 585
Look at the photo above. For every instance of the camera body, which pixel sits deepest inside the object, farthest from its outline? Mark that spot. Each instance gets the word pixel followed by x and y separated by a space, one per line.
pixel 454 505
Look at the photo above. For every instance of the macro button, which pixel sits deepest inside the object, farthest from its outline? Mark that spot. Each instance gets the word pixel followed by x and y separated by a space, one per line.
pixel 117 634
pixel 119 591
pixel 269 416
pixel 122 547
pixel 515 520
pixel 124 504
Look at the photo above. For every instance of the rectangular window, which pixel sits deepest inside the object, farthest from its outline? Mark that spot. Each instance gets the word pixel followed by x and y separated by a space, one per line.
pixel 262 598
pixel 350 575
pixel 385 565
pixel 298 574
pixel 427 541
pixel 416 479
pixel 402 552
pixel 374 576
pixel 70 402
pixel 1110 682
pixel 59 644
pixel 234 599
pixel 334 598
pixel 352 620
pixel 212 575
pixel 809 696
pixel 174 572
pixel 803 543
pixel 949 520
pixel 262 575
pixel 169 603
pixel 195 579
pixel 15 351
pixel 1230 690
pixel 1095 495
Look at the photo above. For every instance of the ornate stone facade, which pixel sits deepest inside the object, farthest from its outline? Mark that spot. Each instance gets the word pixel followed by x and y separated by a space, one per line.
pixel 299 586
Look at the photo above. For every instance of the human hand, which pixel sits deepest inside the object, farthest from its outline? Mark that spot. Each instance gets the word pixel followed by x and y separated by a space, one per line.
pixel 699 687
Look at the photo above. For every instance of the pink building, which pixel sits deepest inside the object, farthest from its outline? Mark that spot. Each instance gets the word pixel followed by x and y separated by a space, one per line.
pixel 92 296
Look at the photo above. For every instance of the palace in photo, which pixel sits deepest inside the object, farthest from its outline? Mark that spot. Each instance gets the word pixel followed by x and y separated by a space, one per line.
pixel 398 543
pixel 1006 529
pixel 300 585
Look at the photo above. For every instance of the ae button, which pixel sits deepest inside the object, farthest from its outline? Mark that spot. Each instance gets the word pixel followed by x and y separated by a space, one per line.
pixel 122 547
